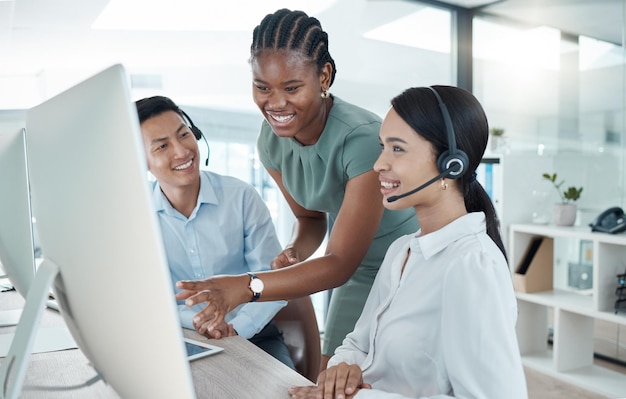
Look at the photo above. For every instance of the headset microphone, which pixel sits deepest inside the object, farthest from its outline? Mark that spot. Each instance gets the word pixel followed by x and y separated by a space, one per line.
pixel 423 186
pixel 208 151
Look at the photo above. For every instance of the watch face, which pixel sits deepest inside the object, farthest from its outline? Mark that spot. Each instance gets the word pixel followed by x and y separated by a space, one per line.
pixel 256 285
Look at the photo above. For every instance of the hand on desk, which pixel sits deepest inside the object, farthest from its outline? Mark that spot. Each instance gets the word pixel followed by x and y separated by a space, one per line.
pixel 342 381
pixel 220 331
pixel 221 294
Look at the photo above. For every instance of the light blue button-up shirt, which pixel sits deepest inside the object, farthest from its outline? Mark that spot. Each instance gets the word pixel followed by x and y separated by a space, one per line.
pixel 230 231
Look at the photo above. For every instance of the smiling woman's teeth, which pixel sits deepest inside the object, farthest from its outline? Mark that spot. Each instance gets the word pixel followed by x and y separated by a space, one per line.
pixel 280 118
pixel 184 166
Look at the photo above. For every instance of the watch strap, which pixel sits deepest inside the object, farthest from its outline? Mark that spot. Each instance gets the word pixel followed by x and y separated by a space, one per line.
pixel 255 295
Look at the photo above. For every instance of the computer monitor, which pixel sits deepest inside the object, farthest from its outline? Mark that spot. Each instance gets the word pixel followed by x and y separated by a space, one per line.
pixel 98 230
pixel 17 235
pixel 17 252
pixel 16 242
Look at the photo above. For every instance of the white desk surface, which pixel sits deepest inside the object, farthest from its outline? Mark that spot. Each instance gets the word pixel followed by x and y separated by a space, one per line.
pixel 242 371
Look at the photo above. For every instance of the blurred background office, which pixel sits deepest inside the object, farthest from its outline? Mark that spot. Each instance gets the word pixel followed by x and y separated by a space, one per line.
pixel 551 74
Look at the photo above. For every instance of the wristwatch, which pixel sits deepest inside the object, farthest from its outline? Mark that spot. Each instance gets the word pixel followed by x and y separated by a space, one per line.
pixel 256 286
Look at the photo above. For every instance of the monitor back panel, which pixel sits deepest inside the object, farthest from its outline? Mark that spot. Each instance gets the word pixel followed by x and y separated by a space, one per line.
pixel 96 222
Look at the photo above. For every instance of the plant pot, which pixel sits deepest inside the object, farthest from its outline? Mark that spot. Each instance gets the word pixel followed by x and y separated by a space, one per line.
pixel 564 214
pixel 496 143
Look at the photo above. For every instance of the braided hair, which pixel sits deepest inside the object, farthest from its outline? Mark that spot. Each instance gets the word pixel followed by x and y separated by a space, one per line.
pixel 293 31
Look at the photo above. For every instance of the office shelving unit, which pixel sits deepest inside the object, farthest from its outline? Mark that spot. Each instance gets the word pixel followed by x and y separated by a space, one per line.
pixel 571 356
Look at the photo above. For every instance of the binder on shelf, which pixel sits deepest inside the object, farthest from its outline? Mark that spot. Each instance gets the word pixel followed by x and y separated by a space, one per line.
pixel 534 272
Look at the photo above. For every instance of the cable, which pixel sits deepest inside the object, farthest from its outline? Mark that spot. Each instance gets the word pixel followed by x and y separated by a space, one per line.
pixel 57 388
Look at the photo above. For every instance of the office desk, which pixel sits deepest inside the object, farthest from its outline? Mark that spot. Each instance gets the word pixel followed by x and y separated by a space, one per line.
pixel 242 371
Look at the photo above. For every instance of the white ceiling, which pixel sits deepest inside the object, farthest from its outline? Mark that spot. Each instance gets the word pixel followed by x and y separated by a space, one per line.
pixel 48 45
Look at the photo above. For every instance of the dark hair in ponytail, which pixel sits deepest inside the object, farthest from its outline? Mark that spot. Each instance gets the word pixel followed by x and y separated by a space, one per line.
pixel 419 108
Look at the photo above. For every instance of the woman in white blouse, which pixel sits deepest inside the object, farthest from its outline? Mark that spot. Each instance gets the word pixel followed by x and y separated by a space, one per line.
pixel 440 319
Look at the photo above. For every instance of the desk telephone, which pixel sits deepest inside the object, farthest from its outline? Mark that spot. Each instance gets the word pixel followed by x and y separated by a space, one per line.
pixel 611 221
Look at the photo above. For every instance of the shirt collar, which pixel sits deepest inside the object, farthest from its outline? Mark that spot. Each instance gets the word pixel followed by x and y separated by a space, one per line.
pixel 206 195
pixel 470 224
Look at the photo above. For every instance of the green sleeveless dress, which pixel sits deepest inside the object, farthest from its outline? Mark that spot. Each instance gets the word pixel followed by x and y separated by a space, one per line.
pixel 316 177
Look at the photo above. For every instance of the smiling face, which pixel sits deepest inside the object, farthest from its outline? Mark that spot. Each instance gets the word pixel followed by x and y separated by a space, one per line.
pixel 171 151
pixel 287 89
pixel 407 161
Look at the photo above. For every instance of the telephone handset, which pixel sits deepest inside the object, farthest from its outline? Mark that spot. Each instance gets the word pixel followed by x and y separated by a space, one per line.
pixel 611 221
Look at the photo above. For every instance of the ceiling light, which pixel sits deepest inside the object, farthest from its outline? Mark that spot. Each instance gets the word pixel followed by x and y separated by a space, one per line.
pixel 427 29
pixel 195 15
pixel 538 47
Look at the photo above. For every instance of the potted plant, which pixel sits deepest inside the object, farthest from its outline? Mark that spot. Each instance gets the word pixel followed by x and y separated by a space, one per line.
pixel 497 139
pixel 565 211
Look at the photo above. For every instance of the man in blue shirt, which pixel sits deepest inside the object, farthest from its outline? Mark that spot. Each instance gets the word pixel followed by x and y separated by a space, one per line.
pixel 211 224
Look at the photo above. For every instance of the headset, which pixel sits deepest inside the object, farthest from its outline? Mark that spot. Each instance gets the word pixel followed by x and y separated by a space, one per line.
pixel 197 133
pixel 194 129
pixel 452 163
pixel 448 160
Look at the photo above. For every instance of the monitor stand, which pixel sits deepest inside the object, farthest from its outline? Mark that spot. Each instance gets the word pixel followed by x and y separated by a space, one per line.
pixel 28 337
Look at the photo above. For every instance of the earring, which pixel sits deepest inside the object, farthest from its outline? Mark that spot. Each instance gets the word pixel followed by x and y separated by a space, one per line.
pixel 444 185
pixel 325 94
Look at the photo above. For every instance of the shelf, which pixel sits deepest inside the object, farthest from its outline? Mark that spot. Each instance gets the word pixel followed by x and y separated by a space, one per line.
pixel 593 378
pixel 619 318
pixel 577 232
pixel 565 300
pixel 574 312
pixel 572 302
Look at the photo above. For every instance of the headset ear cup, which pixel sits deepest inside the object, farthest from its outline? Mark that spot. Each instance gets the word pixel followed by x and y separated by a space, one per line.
pixel 447 160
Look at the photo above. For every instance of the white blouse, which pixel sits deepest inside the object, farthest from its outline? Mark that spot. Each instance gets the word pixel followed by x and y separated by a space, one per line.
pixel 443 328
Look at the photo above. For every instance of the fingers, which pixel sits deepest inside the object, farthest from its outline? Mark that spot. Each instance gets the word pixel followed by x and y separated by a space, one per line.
pixel 340 381
pixel 291 256
pixel 207 319
pixel 198 297
pixel 332 384
pixel 280 261
pixel 309 392
pixel 214 334
pixel 189 288
pixel 181 296
pixel 354 380
pixel 191 285
pixel 220 331
pixel 205 322
pixel 231 331
pixel 286 258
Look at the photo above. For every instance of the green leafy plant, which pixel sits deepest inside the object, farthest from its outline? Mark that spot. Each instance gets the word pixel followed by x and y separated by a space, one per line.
pixel 496 131
pixel 572 193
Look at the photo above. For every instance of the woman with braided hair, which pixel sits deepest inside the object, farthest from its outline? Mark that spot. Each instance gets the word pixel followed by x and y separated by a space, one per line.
pixel 320 151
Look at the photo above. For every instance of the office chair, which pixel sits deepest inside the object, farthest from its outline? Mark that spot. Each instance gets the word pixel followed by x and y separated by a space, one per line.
pixel 301 333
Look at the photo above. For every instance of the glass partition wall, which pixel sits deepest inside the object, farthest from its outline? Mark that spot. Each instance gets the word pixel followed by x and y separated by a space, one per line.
pixel 559 99
pixel 558 96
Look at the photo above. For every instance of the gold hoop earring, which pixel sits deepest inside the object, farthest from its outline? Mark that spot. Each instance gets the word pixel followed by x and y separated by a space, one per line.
pixel 444 185
pixel 325 94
